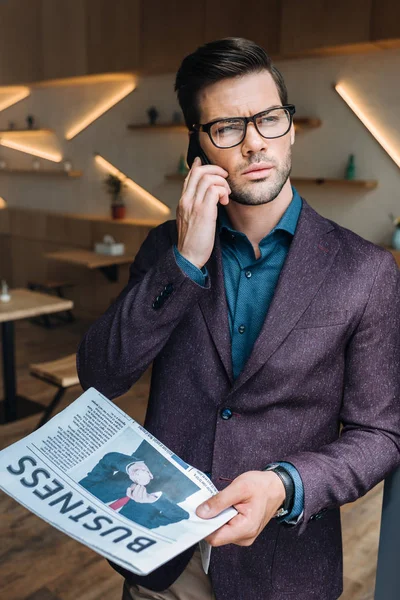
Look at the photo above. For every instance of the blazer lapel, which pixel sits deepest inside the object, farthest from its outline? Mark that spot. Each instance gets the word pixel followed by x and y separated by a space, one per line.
pixel 215 309
pixel 309 259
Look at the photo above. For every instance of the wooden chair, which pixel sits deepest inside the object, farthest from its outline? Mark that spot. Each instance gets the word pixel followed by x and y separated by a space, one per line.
pixel 61 373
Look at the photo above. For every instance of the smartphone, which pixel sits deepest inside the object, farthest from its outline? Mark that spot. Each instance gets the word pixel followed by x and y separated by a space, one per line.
pixel 195 149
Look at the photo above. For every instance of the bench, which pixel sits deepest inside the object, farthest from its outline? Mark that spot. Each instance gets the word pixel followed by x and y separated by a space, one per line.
pixel 61 373
pixel 54 288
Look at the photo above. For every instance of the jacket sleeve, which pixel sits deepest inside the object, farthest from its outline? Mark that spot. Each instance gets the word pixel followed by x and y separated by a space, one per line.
pixel 123 342
pixel 368 448
pixel 107 465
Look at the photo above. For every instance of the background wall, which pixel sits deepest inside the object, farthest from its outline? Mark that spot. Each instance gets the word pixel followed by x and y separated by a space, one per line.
pixel 147 156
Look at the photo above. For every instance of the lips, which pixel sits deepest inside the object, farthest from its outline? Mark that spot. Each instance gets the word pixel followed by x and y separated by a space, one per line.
pixel 258 167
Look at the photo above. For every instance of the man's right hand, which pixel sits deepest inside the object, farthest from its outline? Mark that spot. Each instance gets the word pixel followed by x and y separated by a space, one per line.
pixel 196 215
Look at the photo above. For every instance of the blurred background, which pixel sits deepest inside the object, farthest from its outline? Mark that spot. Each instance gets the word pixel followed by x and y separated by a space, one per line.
pixel 92 151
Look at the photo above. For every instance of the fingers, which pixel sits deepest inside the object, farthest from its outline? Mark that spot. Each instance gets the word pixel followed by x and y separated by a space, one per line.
pixel 236 531
pixel 198 171
pixel 196 163
pixel 236 493
pixel 206 183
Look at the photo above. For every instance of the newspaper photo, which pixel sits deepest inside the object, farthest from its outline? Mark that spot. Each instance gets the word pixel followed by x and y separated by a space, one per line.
pixel 98 476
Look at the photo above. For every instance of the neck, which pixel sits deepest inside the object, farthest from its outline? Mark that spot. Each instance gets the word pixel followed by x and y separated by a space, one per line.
pixel 257 221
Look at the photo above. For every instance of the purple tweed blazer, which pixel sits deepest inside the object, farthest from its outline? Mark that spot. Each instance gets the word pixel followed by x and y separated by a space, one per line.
pixel 328 355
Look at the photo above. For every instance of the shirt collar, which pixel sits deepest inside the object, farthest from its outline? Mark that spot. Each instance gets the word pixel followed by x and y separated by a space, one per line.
pixel 288 221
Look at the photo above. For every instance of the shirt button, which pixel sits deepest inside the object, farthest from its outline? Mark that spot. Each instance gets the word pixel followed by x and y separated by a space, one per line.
pixel 248 274
pixel 241 329
pixel 226 413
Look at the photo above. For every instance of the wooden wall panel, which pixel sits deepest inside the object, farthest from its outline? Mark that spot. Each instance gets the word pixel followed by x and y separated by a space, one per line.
pixel 34 233
pixel 257 20
pixel 28 224
pixel 5 220
pixel 5 258
pixel 20 41
pixel 28 263
pixel 168 32
pixel 69 231
pixel 313 24
pixel 64 38
pixel 112 35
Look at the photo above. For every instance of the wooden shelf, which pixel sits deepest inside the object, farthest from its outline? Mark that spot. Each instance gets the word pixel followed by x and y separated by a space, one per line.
pixel 300 123
pixel 44 172
pixel 158 127
pixel 26 131
pixel 351 183
pixel 175 177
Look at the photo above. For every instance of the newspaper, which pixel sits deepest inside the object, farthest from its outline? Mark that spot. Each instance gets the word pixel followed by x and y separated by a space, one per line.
pixel 97 475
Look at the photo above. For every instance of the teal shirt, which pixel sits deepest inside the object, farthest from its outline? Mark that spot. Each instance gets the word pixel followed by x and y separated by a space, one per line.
pixel 249 287
pixel 249 282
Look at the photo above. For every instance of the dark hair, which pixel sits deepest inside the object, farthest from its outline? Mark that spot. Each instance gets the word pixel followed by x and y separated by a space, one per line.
pixel 218 60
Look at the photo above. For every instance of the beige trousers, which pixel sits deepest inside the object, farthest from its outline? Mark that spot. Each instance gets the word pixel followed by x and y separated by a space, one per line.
pixel 193 584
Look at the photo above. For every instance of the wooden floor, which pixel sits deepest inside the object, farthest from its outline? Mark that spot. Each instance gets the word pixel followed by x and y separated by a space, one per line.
pixel 37 562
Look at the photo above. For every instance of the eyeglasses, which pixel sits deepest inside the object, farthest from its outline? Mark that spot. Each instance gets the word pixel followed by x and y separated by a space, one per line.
pixel 270 124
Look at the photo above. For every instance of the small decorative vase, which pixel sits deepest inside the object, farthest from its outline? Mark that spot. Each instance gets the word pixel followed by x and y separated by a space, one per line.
pixel 118 211
pixel 153 115
pixel 396 238
pixel 351 168
pixel 182 166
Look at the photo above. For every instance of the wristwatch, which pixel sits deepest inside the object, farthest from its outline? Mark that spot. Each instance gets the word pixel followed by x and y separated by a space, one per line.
pixel 288 482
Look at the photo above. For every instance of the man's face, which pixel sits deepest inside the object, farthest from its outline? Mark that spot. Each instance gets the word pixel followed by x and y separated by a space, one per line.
pixel 139 473
pixel 244 97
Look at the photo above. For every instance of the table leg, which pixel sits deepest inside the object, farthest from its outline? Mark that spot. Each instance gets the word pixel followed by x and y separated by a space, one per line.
pixel 13 407
pixel 10 399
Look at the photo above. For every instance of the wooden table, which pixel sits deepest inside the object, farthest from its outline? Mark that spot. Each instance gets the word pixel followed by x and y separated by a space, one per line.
pixel 23 304
pixel 108 265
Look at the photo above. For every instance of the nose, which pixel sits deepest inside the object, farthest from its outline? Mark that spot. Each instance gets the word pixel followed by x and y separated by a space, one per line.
pixel 253 142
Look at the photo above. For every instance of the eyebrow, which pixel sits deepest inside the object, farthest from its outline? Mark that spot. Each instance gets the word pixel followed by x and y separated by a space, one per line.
pixel 239 117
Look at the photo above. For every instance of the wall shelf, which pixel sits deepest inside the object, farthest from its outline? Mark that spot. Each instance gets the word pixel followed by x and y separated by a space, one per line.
pixel 175 177
pixel 28 131
pixel 300 124
pixel 43 172
pixel 158 127
pixel 350 183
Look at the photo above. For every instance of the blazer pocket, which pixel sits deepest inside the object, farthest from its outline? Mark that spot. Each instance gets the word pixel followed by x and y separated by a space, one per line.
pixel 322 318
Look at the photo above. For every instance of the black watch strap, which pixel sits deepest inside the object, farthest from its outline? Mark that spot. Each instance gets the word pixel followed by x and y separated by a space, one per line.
pixel 288 482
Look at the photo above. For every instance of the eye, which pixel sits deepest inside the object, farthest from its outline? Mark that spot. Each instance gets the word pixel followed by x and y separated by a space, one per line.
pixel 226 128
pixel 269 119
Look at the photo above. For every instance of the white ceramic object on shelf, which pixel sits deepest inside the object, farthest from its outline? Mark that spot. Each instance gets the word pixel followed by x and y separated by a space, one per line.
pixel 109 246
pixel 4 292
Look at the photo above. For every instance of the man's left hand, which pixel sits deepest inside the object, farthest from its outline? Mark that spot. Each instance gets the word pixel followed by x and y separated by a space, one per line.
pixel 256 495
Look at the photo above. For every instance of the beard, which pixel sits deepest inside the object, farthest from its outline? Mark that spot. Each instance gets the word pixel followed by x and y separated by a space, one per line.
pixel 261 191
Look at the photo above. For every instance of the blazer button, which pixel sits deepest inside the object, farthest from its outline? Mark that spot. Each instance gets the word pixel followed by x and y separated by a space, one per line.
pixel 226 413
pixel 168 289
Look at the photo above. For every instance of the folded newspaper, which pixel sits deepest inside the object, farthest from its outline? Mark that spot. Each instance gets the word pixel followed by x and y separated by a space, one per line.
pixel 98 476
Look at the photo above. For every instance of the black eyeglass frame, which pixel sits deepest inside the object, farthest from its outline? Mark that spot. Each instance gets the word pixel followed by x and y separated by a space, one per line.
pixel 290 108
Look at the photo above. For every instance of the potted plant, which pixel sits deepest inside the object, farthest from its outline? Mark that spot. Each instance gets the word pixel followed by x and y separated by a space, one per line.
pixel 114 187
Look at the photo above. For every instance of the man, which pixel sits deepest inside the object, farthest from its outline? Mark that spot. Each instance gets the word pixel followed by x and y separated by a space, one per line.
pixel 120 480
pixel 275 340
